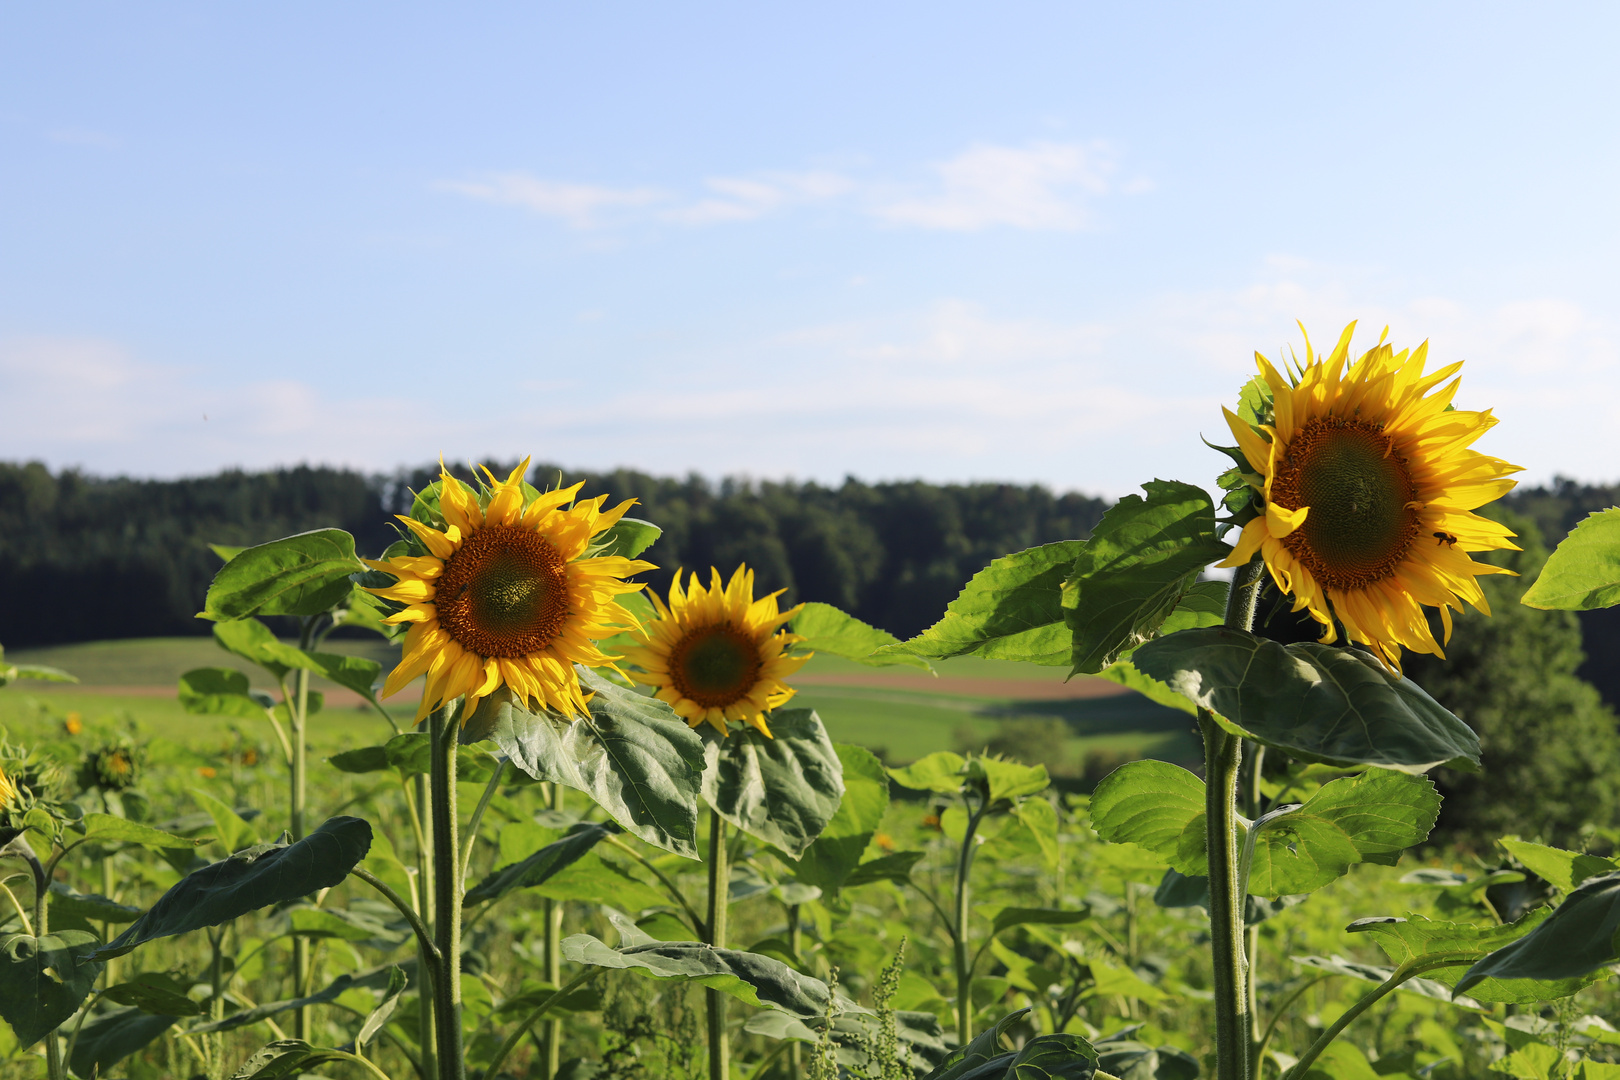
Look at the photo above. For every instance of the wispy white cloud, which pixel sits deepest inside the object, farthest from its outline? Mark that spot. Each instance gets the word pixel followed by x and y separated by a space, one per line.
pixel 1043 186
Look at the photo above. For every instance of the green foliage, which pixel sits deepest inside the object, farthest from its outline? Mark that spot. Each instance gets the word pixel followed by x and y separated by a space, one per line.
pixel 783 788
pixel 43 980
pixel 826 629
pixel 1576 940
pixel 1008 611
pixel 12 672
pixel 1450 953
pixel 297 575
pixel 833 856
pixel 114 1035
pixel 1316 702
pixel 540 867
pixel 749 977
pixel 1584 572
pixel 1135 569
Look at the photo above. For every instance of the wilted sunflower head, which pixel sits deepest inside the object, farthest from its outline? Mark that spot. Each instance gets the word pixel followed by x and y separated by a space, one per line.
pixel 1365 485
pixel 508 588
pixel 717 654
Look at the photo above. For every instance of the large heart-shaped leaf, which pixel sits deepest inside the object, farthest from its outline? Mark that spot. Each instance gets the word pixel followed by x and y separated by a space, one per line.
pixel 43 980
pixel 1140 561
pixel 970 1062
pixel 756 979
pixel 632 754
pixel 542 866
pixel 1580 938
pixel 297 575
pixel 111 1037
pixel 1152 804
pixel 1583 573
pixel 1010 610
pixel 253 878
pixel 1315 702
pixel 783 788
pixel 828 862
pixel 827 629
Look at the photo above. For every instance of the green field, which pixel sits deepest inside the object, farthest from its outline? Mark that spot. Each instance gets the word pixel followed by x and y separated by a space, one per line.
pixel 135 679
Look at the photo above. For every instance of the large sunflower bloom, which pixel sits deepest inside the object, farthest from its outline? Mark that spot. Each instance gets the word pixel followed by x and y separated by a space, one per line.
pixel 718 654
pixel 507 595
pixel 1368 482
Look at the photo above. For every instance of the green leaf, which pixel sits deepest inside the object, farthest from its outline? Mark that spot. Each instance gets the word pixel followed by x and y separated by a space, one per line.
pixel 344 925
pixel 1413 939
pixel 969 1062
pixel 1041 820
pixel 353 672
pixel 43 980
pixel 895 868
pixel 252 641
pixel 593 880
pixel 109 829
pixel 540 867
pixel 245 1017
pixel 1564 870
pixel 535 993
pixel 628 537
pixel 826 629
pixel 284 1058
pixel 111 1037
pixel 1316 702
pixel 88 907
pixel 213 691
pixel 156 993
pixel 299 575
pixel 1428 988
pixel 1128 1059
pixel 255 878
pixel 234 833
pixel 385 1007
pixel 632 754
pixel 1140 561
pixel 1010 610
pixel 1009 917
pixel 828 862
pixel 367 759
pixel 758 980
pixel 1576 941
pixel 1583 572
pixel 782 789
pixel 410 753
pixel 1152 804
pixel 1296 852
pixel 37 672
pixel 1053 1057
pixel 940 771
pixel 1126 674
pixel 1008 779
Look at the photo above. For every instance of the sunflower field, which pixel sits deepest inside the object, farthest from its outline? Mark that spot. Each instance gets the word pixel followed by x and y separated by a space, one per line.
pixel 606 842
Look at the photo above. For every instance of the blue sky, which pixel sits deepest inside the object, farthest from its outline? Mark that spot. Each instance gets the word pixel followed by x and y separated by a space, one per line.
pixel 1033 242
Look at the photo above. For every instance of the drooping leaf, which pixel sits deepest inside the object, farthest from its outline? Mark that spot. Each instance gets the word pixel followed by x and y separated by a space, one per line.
pixel 244 1017
pixel 107 1039
pixel 758 980
pixel 940 771
pixel 1126 674
pixel 1178 890
pixel 1053 1057
pixel 1009 917
pixel 156 993
pixel 1414 938
pixel 1008 779
pixel 352 672
pixel 250 879
pixel 410 753
pixel 385 1006
pixel 1315 702
pixel 632 754
pixel 345 925
pixel 966 1062
pixel 827 629
pixel 1040 819
pixel 284 1058
pixel 828 862
pixel 1010 610
pixel 88 907
pixel 782 789
pixel 629 537
pixel 592 880
pixel 253 641
pixel 234 833
pixel 1429 988
pixel 1576 941
pixel 110 829
pixel 1142 558
pixel 298 575
pixel 1152 804
pixel 1583 572
pixel 896 868
pixel 213 691
pixel 534 993
pixel 1564 870
pixel 43 980
pixel 366 759
pixel 1129 1059
pixel 1296 852
pixel 541 866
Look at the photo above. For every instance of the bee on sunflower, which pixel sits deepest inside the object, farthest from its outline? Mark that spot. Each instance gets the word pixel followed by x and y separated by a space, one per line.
pixel 513 590
pixel 716 654
pixel 1364 483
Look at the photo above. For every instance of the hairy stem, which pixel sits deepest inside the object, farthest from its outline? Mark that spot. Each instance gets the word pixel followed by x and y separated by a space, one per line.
pixel 959 941
pixel 553 917
pixel 297 715
pixel 42 884
pixel 447 890
pixel 795 943
pixel 719 898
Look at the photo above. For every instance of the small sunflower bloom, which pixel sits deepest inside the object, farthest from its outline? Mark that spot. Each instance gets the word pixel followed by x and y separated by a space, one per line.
pixel 716 654
pixel 508 594
pixel 1368 484
pixel 73 724
pixel 9 794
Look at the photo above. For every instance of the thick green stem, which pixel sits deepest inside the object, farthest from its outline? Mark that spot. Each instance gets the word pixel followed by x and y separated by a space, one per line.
pixel 419 801
pixel 959 938
pixel 298 714
pixel 795 943
pixel 42 886
pixel 719 899
pixel 447 891
pixel 553 917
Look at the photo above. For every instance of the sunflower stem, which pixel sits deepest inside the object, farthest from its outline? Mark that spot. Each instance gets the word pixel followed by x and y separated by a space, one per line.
pixel 297 713
pixel 42 910
pixel 719 896
pixel 447 889
pixel 554 917
pixel 959 940
pixel 1223 759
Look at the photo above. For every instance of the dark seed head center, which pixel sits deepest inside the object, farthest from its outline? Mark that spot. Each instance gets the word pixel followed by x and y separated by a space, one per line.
pixel 503 592
pixel 714 666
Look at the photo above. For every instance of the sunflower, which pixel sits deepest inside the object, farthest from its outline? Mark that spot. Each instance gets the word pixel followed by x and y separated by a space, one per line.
pixel 8 790
pixel 507 593
pixel 1368 484
pixel 718 654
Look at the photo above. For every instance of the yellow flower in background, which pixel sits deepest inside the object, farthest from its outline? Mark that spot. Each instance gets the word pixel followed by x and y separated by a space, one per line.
pixel 73 724
pixel 508 595
pixel 1369 482
pixel 8 790
pixel 718 654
